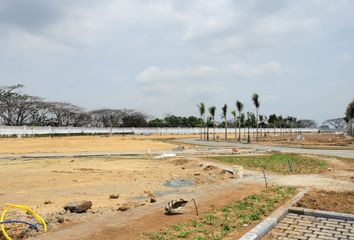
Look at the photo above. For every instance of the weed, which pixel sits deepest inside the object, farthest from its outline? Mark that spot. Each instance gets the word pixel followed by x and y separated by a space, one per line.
pixel 222 222
pixel 277 163
pixel 210 219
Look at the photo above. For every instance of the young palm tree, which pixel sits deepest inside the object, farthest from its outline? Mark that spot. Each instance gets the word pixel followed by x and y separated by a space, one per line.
pixel 233 113
pixel 248 122
pixel 256 103
pixel 201 108
pixel 212 111
pixel 224 116
pixel 239 107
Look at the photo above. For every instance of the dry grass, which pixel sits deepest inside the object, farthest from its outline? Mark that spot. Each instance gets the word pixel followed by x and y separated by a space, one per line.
pixel 85 144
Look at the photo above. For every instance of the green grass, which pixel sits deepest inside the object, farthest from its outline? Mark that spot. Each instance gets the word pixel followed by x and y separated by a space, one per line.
pixel 224 221
pixel 277 163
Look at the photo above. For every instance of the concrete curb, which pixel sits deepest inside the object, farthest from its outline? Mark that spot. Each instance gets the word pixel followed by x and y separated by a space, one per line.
pixel 320 213
pixel 270 222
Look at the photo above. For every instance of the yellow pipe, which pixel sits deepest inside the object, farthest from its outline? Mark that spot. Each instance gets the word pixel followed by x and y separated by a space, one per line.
pixel 22 207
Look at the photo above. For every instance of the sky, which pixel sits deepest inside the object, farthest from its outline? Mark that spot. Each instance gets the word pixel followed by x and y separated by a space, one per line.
pixel 166 56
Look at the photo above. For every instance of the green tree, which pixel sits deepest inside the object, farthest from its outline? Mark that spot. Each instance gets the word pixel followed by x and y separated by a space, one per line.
pixel 201 108
pixel 349 115
pixel 248 123
pixel 234 114
pixel 239 106
pixel 212 111
pixel 224 116
pixel 256 103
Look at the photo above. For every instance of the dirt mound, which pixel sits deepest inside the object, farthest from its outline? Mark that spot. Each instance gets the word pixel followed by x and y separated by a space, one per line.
pixel 329 201
pixel 180 161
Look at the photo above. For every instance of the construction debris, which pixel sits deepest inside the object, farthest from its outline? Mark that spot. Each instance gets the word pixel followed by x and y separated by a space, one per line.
pixel 113 196
pixel 78 207
pixel 173 206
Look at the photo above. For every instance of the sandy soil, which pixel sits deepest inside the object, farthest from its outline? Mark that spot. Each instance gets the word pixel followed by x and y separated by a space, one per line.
pixel 85 144
pixel 329 201
pixel 33 182
pixel 59 181
pixel 323 140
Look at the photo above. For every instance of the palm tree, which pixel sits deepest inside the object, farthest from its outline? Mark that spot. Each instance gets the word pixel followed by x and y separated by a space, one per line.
pixel 256 103
pixel 233 112
pixel 212 111
pixel 201 108
pixel 239 107
pixel 248 121
pixel 224 116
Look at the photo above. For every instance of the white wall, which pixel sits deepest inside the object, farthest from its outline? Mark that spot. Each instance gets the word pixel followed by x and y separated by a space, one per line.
pixel 26 130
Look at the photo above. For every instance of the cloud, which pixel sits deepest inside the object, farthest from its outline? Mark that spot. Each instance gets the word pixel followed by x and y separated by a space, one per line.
pixel 155 74
pixel 260 70
pixel 175 53
pixel 185 81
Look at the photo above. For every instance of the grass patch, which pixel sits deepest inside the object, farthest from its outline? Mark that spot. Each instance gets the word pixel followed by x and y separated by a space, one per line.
pixel 343 159
pixel 224 221
pixel 277 163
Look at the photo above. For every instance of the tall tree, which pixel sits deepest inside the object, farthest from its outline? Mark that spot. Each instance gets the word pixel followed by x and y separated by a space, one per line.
pixel 234 114
pixel 256 103
pixel 349 116
pixel 212 111
pixel 201 108
pixel 248 123
pixel 239 106
pixel 224 116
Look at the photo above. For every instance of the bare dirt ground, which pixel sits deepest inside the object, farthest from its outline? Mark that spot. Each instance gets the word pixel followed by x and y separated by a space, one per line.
pixel 329 201
pixel 323 141
pixel 63 180
pixel 308 140
pixel 47 184
pixel 86 144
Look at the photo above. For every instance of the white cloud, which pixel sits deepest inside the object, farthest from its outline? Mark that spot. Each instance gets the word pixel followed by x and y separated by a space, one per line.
pixel 155 74
pixel 260 70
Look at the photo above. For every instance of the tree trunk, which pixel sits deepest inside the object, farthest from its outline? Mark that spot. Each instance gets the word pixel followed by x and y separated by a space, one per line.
pixel 225 130
pixel 257 125
pixel 213 129
pixel 239 130
pixel 207 127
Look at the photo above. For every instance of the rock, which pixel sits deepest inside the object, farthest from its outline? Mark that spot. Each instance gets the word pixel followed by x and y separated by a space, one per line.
pixel 48 202
pixel 59 219
pixel 152 200
pixel 129 205
pixel 226 171
pixel 210 167
pixel 113 196
pixel 78 207
pixel 125 207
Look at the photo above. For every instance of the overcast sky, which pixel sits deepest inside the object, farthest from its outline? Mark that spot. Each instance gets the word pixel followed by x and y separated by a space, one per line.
pixel 166 56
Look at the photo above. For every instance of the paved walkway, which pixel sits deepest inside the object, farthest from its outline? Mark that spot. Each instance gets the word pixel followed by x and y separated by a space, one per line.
pixel 302 227
pixel 326 152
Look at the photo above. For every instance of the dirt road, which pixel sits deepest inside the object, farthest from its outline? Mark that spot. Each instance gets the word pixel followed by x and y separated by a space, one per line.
pixel 333 153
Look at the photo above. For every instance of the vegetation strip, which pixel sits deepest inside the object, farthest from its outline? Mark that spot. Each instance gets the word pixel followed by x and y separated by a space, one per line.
pixel 278 163
pixel 224 221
